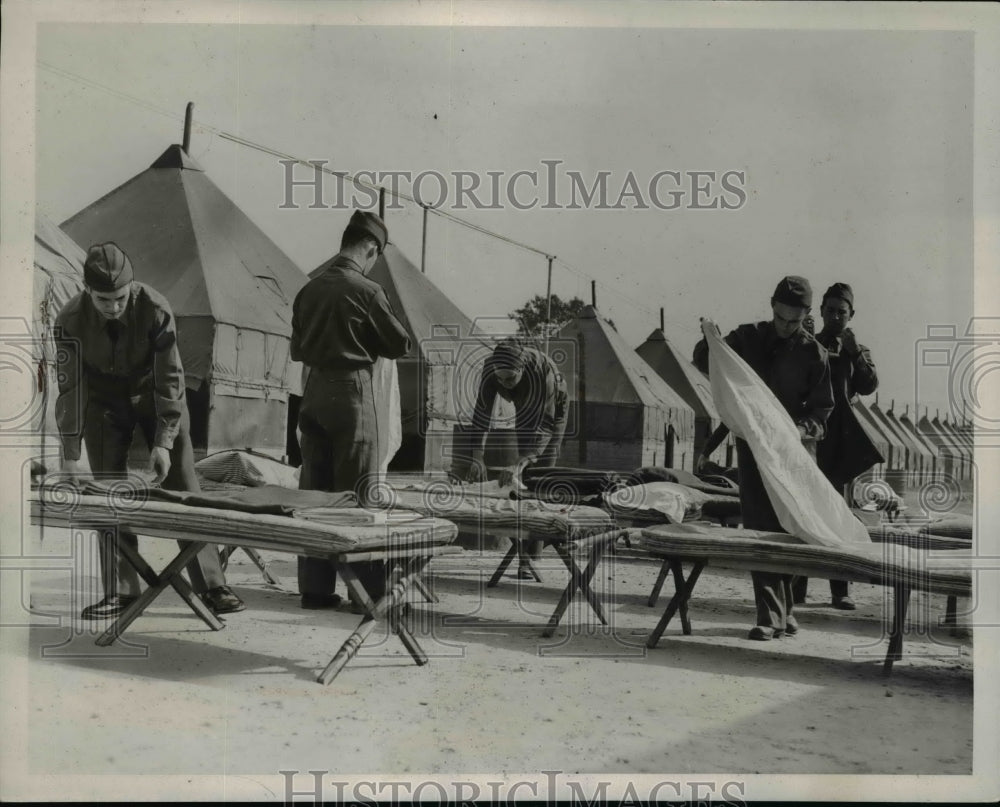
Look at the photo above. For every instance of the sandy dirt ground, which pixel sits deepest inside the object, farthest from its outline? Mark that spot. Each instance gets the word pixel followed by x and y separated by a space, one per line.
pixel 177 698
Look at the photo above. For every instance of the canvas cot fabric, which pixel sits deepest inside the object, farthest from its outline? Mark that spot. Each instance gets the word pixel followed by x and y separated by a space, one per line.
pixel 317 539
pixel 805 503
pixel 922 539
pixel 919 569
pixel 465 508
pixel 954 526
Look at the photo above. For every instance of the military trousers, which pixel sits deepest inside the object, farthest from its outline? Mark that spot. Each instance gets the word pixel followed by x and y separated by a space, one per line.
pixel 109 426
pixel 339 446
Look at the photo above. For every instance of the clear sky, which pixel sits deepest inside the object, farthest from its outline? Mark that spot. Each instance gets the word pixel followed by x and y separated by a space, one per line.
pixel 856 147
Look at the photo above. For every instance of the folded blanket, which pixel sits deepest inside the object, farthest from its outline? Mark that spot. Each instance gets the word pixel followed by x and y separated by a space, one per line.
pixel 656 501
pixel 721 508
pixel 461 505
pixel 272 499
pixel 656 473
pixel 570 485
pixel 246 468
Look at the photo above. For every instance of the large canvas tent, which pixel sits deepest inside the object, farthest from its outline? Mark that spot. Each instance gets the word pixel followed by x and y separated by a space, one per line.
pixel 622 414
pixel 921 461
pixel 936 463
pixel 954 461
pixel 428 374
pixel 57 278
pixel 875 434
pixel 230 287
pixel 693 386
pixel 897 472
pixel 957 438
pixel 964 431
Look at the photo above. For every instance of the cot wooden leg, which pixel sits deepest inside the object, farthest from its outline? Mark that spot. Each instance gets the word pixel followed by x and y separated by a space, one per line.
pixel 579 580
pixel 661 578
pixel 387 606
pixel 678 570
pixel 347 651
pixel 584 577
pixel 426 593
pixel 507 559
pixel 681 597
pixel 567 595
pixel 258 561
pixel 901 601
pixel 408 575
pixel 156 583
pixel 951 612
pixel 226 552
pixel 524 559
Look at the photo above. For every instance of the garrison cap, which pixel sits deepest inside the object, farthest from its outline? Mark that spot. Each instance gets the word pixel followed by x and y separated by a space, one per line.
pixel 107 268
pixel 841 291
pixel 793 290
pixel 371 224
pixel 509 354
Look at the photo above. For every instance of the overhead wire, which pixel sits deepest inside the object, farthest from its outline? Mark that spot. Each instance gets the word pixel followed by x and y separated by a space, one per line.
pixel 343 175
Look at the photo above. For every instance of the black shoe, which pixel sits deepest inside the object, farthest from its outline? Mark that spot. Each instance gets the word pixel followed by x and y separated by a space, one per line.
pixel 108 607
pixel 524 573
pixel 763 633
pixel 222 601
pixel 314 602
pixel 844 603
pixel 791 626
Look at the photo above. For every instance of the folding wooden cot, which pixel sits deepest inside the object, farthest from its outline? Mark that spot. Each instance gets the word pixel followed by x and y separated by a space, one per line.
pixel 901 567
pixel 570 530
pixel 405 541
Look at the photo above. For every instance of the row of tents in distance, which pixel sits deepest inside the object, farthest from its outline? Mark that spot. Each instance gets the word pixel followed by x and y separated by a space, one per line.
pixel 231 289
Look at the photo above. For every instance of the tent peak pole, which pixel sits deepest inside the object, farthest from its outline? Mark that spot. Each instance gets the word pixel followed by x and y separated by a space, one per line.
pixel 662 321
pixel 423 243
pixel 188 115
pixel 593 293
pixel 548 303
